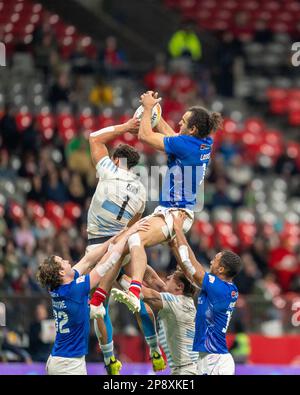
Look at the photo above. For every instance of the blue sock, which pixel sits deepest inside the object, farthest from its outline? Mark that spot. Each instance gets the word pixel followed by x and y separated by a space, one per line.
pixel 149 329
pixel 108 348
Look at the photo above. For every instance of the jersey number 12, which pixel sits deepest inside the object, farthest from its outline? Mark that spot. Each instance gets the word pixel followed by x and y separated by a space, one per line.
pixel 61 320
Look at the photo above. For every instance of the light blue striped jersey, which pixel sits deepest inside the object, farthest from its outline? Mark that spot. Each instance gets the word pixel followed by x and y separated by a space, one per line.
pixel 176 329
pixel 119 196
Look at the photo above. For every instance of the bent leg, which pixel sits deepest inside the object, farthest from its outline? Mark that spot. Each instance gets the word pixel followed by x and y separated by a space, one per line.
pixel 149 238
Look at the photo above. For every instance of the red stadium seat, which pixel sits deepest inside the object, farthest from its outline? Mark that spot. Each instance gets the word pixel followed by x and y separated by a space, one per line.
pixel 104 121
pixel 246 232
pixel 36 209
pixel 72 211
pixel 55 213
pixel 66 126
pixel 46 124
pixel 23 120
pixel 87 122
pixel 255 125
pixel 16 211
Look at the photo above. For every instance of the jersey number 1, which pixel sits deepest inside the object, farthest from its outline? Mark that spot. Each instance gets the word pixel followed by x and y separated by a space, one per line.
pixel 121 212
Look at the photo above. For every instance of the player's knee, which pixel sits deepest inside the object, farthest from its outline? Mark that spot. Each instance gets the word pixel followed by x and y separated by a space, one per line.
pixel 134 241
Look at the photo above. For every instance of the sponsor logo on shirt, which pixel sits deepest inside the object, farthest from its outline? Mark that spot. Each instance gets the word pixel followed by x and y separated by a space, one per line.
pixel 205 157
pixel 80 279
pixel 211 279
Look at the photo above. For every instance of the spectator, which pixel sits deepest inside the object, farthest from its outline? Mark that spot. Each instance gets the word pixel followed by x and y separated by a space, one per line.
pixel 101 94
pixel 220 197
pixel 227 54
pixel 39 336
pixel 112 58
pixel 43 54
pixel 79 61
pixel 60 91
pixel 26 283
pixel 23 234
pixel 248 276
pixel 185 43
pixel 284 262
pixel 262 35
pixel 31 138
pixel 78 158
pixel 158 79
pixel 8 130
pixel 36 191
pixel 76 189
pixel 54 189
pixel 241 347
pixel 5 282
pixel 11 260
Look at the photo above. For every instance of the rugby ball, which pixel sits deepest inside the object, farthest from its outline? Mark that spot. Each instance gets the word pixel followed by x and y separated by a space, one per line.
pixel 155 117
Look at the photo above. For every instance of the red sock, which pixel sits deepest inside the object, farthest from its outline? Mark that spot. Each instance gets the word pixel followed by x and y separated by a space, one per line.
pixel 135 288
pixel 98 297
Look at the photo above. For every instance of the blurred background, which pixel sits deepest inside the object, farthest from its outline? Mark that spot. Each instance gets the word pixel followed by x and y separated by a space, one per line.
pixel 77 66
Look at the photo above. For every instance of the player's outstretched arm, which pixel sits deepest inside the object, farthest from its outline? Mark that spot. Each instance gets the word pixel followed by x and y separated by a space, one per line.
pixel 152 280
pixel 164 128
pixel 114 255
pixel 188 262
pixel 100 138
pixel 92 257
pixel 152 297
pixel 146 134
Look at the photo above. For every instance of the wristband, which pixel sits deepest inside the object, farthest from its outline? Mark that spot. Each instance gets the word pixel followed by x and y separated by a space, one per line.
pixel 111 261
pixel 184 255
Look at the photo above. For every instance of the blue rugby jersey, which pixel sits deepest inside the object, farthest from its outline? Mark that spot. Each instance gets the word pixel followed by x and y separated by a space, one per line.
pixel 188 158
pixel 72 317
pixel 216 303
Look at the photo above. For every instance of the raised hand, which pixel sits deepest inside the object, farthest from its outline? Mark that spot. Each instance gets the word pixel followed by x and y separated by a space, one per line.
pixel 132 125
pixel 141 225
pixel 178 220
pixel 149 99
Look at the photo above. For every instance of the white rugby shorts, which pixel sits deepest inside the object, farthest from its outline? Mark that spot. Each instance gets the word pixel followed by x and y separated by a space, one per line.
pixel 165 212
pixel 216 364
pixel 66 366
pixel 189 370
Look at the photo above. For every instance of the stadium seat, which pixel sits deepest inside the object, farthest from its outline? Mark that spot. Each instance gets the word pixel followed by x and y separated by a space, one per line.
pixel 66 126
pixel 72 211
pixel 23 119
pixel 36 209
pixel 55 213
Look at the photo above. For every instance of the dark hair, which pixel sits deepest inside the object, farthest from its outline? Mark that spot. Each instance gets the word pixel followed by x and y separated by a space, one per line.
pixel 231 262
pixel 204 121
pixel 128 152
pixel 48 273
pixel 188 288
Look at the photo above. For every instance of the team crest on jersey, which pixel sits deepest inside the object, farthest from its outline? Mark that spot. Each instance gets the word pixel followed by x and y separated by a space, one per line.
pixel 233 294
pixel 80 280
pixel 211 279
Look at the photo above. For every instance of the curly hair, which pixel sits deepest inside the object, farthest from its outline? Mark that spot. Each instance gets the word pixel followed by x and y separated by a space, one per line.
pixel 231 262
pixel 204 121
pixel 128 152
pixel 188 288
pixel 48 273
